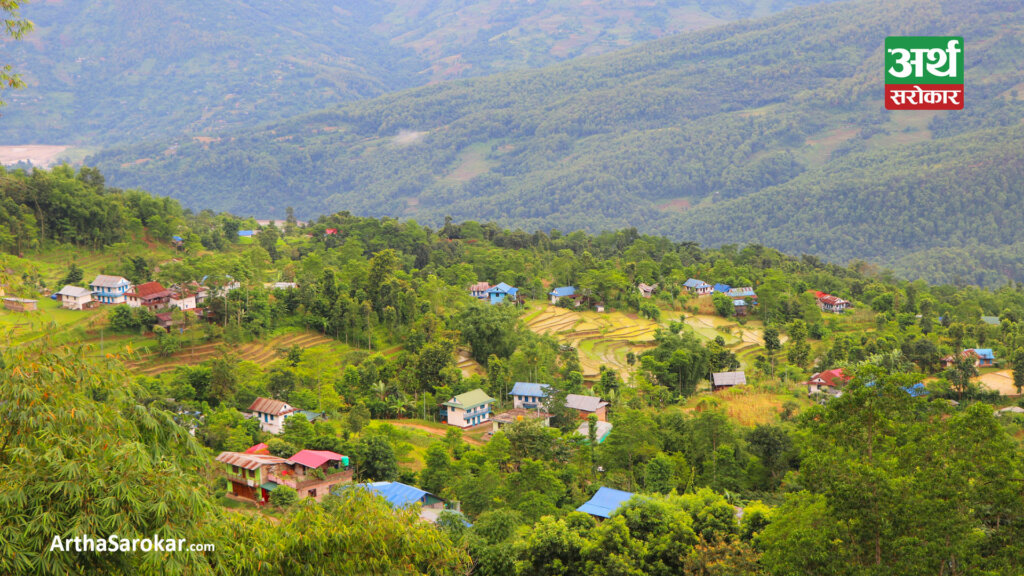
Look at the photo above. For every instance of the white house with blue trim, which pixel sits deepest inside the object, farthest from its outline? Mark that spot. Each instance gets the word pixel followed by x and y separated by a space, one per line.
pixel 698 287
pixel 499 293
pixel 110 289
pixel 529 395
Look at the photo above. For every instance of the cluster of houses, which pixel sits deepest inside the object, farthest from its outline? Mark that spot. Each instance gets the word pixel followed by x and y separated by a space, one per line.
pixel 252 475
pixel 743 298
pixel 115 290
pixel 530 401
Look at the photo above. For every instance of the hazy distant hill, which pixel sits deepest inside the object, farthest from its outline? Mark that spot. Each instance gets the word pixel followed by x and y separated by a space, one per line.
pixel 764 131
pixel 103 71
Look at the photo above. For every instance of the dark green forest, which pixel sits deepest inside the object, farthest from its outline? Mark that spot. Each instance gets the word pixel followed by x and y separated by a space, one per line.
pixel 716 136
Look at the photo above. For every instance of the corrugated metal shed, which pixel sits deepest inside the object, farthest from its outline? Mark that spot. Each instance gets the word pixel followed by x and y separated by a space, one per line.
pixel 529 389
pixel 248 461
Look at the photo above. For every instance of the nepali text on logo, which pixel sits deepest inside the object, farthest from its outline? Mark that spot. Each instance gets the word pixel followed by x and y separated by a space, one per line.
pixel 924 73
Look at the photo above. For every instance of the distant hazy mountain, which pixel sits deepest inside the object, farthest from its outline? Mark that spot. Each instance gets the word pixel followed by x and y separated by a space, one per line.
pixel 103 71
pixel 767 131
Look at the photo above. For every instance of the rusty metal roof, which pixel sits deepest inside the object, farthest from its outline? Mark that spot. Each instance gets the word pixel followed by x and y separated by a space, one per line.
pixel 248 461
pixel 270 406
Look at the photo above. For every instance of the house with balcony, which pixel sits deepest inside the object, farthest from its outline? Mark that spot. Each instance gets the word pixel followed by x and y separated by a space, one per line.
pixel 312 473
pixel 468 409
pixel 150 295
pixel 247 474
pixel 110 289
pixel 271 413
pixel 529 395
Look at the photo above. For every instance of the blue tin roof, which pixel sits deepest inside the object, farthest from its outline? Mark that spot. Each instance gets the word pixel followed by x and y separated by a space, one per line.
pixel 694 283
pixel 563 291
pixel 176 238
pixel 916 391
pixel 984 353
pixel 721 288
pixel 605 502
pixel 529 389
pixel 245 233
pixel 502 288
pixel 396 493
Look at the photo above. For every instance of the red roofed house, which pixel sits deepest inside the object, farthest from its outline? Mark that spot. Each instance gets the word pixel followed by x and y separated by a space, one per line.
pixel 150 295
pixel 313 473
pixel 260 448
pixel 829 382
pixel 271 414
pixel 830 303
pixel 247 474
pixel 330 231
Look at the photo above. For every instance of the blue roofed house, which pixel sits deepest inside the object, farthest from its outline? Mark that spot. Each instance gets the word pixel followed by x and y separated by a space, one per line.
pixel 529 395
pixel 985 357
pixel 605 502
pixel 698 287
pixel 246 233
pixel 402 495
pixel 562 292
pixel 721 288
pixel 501 292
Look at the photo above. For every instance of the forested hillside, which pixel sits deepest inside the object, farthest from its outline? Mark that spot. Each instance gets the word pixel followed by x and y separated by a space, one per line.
pixel 122 70
pixel 910 464
pixel 674 137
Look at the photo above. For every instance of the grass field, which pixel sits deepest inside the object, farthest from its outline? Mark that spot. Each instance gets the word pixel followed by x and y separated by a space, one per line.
pixel 750 405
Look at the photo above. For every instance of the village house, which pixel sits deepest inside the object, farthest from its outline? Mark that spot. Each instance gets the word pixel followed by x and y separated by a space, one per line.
pixel 182 297
pixel 502 292
pixel 746 293
pixel 271 414
pixel 246 474
pixel 479 290
pixel 150 295
pixel 646 290
pixel 110 289
pixel 562 292
pixel 247 233
pixel 529 395
pixel 605 502
pixel 721 380
pixel 587 405
pixel 312 473
pixel 698 287
pixel 830 303
pixel 721 288
pixel 602 428
pixel 739 307
pixel 468 409
pixel 20 304
pixel 75 298
pixel 830 382
pixel 984 356
pixel 499 421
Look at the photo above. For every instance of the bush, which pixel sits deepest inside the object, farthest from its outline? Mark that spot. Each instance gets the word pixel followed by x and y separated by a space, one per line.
pixel 284 496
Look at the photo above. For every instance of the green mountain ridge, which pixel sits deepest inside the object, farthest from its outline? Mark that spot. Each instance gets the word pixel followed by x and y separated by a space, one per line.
pixel 682 136
pixel 114 71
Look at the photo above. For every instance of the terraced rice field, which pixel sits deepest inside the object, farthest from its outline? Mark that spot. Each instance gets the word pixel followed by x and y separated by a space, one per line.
pixel 602 339
pixel 468 365
pixel 259 352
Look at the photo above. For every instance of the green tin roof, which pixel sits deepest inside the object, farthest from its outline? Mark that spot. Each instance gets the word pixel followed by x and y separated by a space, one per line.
pixel 470 400
pixel 268 486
